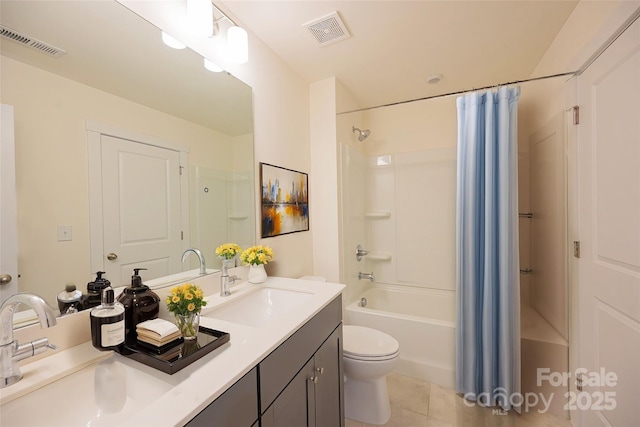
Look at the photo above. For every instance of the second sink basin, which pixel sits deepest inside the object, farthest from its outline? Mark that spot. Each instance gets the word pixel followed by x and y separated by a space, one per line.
pixel 257 308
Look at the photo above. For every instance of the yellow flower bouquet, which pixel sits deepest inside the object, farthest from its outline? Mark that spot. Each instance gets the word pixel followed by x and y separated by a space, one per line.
pixel 185 302
pixel 257 255
pixel 227 251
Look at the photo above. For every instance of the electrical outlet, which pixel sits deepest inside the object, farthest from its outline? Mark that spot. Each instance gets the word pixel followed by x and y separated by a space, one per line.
pixel 64 233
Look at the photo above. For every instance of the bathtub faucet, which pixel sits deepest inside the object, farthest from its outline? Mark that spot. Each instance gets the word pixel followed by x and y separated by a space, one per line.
pixel 368 276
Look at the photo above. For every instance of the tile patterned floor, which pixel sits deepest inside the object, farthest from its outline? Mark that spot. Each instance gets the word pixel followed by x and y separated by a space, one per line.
pixel 417 403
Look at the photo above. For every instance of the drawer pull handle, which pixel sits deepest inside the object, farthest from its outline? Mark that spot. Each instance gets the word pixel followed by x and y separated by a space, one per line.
pixel 320 370
pixel 314 379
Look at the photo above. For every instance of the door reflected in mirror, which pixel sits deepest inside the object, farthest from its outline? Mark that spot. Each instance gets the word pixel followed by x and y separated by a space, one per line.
pixel 116 74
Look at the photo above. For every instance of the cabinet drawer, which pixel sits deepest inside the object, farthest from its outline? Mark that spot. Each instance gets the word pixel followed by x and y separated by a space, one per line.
pixel 236 407
pixel 279 368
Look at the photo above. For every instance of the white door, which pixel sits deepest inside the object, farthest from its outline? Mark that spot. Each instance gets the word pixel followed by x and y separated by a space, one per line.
pixel 141 208
pixel 609 229
pixel 8 212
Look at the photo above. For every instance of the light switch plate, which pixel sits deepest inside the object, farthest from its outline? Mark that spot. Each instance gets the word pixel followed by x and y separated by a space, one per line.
pixel 64 233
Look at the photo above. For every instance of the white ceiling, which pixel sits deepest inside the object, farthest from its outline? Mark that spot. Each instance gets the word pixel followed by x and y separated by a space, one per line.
pixel 396 44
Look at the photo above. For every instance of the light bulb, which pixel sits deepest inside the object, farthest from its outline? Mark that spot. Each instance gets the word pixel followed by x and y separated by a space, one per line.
pixel 171 42
pixel 200 14
pixel 238 44
pixel 211 66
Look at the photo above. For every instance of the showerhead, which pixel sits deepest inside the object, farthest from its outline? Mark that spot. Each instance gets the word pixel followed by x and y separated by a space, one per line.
pixel 362 133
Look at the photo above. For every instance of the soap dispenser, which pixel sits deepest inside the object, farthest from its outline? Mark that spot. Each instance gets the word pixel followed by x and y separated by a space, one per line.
pixel 94 291
pixel 140 304
pixel 107 322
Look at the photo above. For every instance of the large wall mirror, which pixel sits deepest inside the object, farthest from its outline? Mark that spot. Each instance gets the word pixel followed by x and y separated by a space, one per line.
pixel 116 74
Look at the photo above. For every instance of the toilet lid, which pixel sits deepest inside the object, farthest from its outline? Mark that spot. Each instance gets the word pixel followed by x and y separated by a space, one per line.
pixel 366 342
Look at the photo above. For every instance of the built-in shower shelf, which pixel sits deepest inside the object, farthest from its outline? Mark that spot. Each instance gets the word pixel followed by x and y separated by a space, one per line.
pixel 382 214
pixel 379 257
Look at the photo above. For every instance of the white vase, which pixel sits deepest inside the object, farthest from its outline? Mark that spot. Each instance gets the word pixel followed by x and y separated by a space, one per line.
pixel 257 273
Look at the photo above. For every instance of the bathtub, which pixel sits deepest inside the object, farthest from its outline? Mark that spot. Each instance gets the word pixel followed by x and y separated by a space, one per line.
pixel 423 322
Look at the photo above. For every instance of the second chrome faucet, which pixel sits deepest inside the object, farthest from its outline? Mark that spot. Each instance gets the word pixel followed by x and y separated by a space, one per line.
pixel 225 280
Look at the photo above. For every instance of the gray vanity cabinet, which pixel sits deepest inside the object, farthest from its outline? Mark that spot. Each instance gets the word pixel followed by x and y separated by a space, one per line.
pixel 301 382
pixel 329 382
pixel 236 407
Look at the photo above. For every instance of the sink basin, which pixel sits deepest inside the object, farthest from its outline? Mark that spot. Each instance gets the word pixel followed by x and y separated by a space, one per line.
pixel 259 307
pixel 112 391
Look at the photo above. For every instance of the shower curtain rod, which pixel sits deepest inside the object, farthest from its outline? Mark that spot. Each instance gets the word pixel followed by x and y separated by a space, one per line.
pixel 460 92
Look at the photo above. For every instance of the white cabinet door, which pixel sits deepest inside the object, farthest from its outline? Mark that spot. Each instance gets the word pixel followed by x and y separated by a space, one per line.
pixel 8 208
pixel 141 205
pixel 609 223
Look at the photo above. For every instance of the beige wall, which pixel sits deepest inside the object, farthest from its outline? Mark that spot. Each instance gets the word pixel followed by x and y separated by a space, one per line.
pixel 281 131
pixel 324 183
pixel 414 126
pixel 52 172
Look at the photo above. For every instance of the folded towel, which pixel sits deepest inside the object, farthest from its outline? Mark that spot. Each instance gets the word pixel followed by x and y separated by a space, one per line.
pixel 157 328
pixel 160 343
pixel 147 337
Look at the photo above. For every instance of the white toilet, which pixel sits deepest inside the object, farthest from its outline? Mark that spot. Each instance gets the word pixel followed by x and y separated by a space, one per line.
pixel 369 355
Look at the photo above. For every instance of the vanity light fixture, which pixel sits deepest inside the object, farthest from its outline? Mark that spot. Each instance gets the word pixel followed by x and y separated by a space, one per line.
pixel 200 15
pixel 238 44
pixel 211 66
pixel 172 42
pixel 204 19
pixel 237 38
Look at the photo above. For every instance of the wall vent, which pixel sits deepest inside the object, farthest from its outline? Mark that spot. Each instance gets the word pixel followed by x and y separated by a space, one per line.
pixel 328 30
pixel 25 40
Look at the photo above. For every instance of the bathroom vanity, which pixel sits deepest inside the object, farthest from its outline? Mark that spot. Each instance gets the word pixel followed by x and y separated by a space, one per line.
pixel 298 384
pixel 282 367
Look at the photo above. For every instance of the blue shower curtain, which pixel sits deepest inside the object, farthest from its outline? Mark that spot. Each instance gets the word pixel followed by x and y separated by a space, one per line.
pixel 488 291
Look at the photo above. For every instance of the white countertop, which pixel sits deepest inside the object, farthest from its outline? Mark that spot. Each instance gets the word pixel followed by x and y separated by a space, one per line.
pixel 116 391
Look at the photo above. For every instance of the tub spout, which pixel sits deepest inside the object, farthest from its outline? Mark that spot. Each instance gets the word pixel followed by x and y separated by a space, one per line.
pixel 368 276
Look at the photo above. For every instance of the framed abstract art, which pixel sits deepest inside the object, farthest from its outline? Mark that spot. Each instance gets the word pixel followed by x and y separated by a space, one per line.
pixel 284 200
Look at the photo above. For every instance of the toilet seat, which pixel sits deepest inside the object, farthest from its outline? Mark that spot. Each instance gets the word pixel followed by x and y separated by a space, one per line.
pixel 371 359
pixel 362 343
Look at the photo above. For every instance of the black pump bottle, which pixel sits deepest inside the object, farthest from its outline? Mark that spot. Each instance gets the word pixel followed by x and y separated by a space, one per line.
pixel 93 297
pixel 140 304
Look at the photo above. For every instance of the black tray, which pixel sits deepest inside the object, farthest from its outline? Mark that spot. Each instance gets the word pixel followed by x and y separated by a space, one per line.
pixel 183 354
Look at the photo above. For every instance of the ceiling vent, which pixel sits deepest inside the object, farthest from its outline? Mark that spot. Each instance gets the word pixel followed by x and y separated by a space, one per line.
pixel 18 37
pixel 328 29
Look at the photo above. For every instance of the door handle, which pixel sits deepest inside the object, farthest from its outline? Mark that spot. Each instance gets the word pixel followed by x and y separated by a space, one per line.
pixel 112 257
pixel 5 279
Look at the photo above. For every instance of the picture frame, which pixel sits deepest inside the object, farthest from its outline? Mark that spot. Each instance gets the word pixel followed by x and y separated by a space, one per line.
pixel 284 200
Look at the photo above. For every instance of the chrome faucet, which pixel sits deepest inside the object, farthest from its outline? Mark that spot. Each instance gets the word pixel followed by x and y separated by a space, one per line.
pixel 10 351
pixel 203 266
pixel 226 281
pixel 368 276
